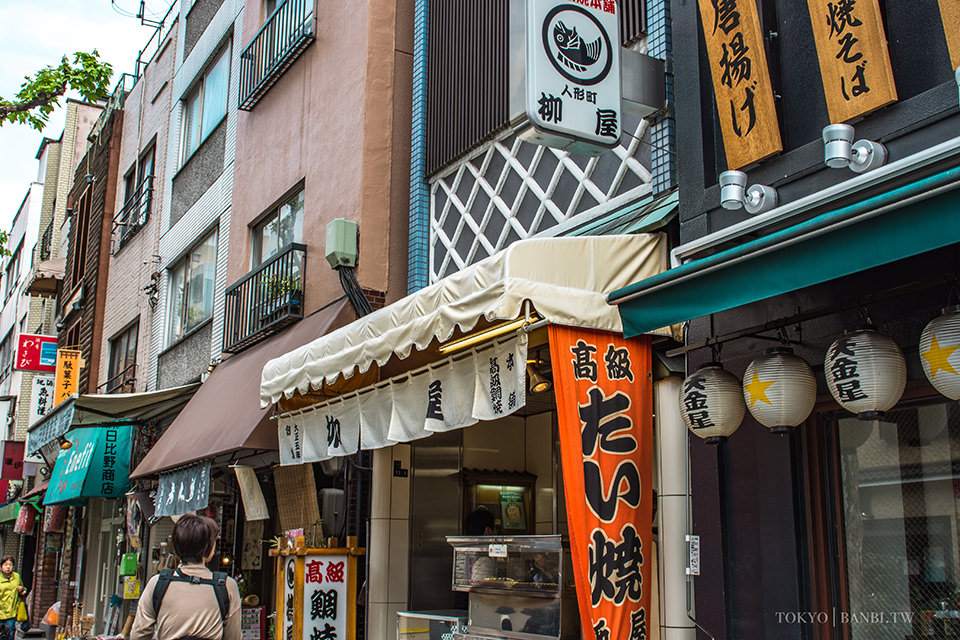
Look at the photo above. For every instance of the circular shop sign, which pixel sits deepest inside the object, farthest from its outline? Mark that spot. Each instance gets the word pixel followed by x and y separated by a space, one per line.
pixel 577 44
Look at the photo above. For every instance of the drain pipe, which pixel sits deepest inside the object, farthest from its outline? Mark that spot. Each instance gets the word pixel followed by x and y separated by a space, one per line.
pixel 673 506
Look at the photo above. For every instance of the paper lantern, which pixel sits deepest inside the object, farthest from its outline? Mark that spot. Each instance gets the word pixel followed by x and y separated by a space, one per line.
pixel 779 389
pixel 940 352
pixel 866 373
pixel 711 403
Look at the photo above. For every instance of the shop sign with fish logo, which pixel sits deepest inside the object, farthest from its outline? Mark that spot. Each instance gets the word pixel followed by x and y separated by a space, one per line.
pixel 573 73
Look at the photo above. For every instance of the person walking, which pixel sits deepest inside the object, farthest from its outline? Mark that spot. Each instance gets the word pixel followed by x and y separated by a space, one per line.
pixel 11 591
pixel 190 603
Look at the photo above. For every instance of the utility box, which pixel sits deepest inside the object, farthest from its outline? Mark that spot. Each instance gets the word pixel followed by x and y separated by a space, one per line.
pixel 341 249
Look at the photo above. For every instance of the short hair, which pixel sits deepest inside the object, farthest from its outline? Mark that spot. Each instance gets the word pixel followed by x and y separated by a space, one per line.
pixel 194 537
pixel 10 558
pixel 477 522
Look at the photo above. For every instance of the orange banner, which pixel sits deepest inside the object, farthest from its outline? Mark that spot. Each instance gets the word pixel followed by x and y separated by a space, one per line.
pixel 605 411
pixel 69 364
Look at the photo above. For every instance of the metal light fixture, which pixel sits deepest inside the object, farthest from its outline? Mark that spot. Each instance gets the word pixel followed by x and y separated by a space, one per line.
pixel 839 150
pixel 866 372
pixel 65 444
pixel 940 352
pixel 538 382
pixel 735 194
pixel 779 389
pixel 711 403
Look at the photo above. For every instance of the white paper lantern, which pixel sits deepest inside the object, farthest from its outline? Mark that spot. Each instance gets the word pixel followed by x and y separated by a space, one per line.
pixel 866 372
pixel 711 403
pixel 940 352
pixel 779 389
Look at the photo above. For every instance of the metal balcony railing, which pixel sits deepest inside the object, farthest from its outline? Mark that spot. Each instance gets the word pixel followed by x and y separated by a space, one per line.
pixel 279 42
pixel 46 243
pixel 123 382
pixel 266 300
pixel 114 103
pixel 134 214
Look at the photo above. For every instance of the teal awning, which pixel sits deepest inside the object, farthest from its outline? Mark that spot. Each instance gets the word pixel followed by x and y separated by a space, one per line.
pixel 8 512
pixel 645 216
pixel 96 466
pixel 871 233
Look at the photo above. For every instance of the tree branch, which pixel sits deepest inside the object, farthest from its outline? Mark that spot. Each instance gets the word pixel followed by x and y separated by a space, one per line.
pixel 42 98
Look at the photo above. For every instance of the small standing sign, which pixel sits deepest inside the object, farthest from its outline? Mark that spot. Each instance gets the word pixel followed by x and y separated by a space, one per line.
pixel 573 73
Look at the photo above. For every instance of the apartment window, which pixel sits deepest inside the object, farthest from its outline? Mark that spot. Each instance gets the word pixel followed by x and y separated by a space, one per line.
pixel 138 175
pixel 269 6
pixel 206 104
pixel 121 374
pixel 12 275
pixel 191 288
pixel 6 354
pixel 283 225
pixel 80 238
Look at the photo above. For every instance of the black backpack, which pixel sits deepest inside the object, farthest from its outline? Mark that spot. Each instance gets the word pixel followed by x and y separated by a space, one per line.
pixel 218 581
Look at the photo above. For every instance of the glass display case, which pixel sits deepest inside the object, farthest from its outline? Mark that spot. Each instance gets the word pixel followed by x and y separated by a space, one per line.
pixel 518 587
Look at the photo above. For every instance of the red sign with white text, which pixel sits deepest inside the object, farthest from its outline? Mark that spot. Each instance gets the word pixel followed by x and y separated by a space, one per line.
pixel 36 353
pixel 605 412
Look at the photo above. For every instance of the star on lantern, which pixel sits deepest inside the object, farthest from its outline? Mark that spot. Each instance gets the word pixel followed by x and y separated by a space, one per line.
pixel 938 356
pixel 758 389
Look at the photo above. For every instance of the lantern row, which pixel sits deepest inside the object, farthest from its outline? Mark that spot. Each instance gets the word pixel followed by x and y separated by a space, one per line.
pixel 865 371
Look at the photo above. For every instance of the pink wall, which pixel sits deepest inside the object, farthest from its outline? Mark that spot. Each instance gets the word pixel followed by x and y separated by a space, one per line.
pixel 338 121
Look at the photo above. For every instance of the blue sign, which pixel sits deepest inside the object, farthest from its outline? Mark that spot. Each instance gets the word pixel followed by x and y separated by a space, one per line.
pixel 48 354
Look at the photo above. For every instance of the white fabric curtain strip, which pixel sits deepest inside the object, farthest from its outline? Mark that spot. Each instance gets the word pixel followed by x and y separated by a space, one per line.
pixel 565 279
pixel 486 384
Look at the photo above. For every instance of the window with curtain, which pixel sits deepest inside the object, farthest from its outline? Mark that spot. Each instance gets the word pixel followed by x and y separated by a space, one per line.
pixel 283 225
pixel 191 288
pixel 206 104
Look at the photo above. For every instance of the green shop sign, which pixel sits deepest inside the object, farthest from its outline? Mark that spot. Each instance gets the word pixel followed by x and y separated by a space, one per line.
pixel 96 466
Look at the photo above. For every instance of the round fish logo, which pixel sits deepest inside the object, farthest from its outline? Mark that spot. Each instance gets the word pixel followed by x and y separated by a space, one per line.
pixel 577 45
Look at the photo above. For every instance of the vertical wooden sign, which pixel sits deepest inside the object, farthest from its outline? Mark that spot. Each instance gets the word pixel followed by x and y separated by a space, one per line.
pixel 854 63
pixel 741 80
pixel 950 15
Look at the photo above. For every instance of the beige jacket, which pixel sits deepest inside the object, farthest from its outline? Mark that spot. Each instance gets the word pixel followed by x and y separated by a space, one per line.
pixel 187 610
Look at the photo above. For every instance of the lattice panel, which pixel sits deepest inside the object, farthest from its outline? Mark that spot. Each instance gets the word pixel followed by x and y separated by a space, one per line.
pixel 510 190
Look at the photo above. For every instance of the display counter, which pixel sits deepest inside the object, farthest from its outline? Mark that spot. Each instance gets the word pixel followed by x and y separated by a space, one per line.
pixel 517 587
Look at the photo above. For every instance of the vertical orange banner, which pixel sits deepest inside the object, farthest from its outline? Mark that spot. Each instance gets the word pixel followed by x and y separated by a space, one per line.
pixel 68 374
pixel 605 411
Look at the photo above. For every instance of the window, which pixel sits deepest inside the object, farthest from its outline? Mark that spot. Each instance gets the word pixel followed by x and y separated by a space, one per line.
pixel 80 238
pixel 899 478
pixel 191 288
pixel 282 226
pixel 205 104
pixel 6 353
pixel 269 6
pixel 12 275
pixel 134 180
pixel 121 374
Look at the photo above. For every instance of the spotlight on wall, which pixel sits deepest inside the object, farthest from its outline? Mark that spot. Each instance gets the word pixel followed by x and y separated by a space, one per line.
pixel 839 150
pixel 65 444
pixel 538 382
pixel 735 194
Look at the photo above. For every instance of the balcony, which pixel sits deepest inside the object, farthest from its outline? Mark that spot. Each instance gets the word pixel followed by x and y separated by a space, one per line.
pixel 134 214
pixel 276 46
pixel 266 300
pixel 123 382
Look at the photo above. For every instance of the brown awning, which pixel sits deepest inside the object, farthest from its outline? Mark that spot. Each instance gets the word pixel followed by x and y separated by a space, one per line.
pixel 225 415
pixel 44 277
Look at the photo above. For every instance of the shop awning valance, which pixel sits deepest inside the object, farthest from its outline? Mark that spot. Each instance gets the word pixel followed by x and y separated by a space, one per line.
pixel 565 279
pixel 225 414
pixel 100 409
pixel 97 465
pixel 868 234
pixel 8 512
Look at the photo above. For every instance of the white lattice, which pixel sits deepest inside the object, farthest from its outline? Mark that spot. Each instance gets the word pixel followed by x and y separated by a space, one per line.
pixel 510 190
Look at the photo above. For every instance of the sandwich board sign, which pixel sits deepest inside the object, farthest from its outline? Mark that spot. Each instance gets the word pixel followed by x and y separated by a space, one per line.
pixel 573 89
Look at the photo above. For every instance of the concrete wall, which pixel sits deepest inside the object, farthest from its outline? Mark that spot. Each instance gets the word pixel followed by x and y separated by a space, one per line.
pixel 337 121
pixel 146 120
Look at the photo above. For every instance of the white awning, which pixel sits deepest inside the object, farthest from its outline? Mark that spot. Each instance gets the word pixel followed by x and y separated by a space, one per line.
pixel 565 279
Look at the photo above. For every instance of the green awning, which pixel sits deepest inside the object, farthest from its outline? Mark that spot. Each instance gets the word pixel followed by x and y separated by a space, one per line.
pixel 8 512
pixel 645 216
pixel 871 233
pixel 96 466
